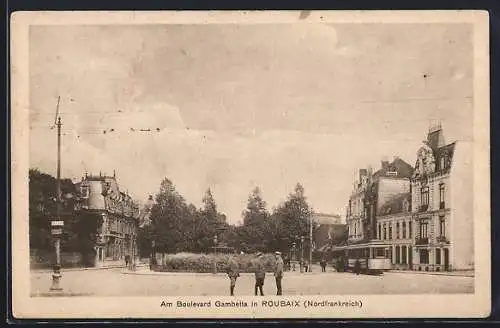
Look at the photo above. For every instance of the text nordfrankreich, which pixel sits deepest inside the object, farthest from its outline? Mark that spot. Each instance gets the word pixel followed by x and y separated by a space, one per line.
pixel 288 303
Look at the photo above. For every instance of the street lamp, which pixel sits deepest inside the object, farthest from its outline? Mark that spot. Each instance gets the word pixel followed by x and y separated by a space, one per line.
pixel 215 258
pixel 153 252
pixel 57 224
pixel 293 256
pixel 301 254
pixel 310 241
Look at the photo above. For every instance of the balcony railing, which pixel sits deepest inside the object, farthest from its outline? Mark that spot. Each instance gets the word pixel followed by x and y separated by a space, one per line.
pixel 422 241
pixel 442 239
pixel 423 208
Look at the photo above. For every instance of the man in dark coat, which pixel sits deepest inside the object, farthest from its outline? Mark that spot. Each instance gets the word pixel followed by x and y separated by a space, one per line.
pixel 233 272
pixel 278 273
pixel 260 274
pixel 323 264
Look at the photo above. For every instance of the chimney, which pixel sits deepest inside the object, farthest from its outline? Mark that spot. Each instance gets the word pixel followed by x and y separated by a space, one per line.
pixel 435 137
pixel 385 163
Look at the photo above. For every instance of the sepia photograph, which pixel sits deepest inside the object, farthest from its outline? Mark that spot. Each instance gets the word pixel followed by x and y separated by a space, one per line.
pixel 250 164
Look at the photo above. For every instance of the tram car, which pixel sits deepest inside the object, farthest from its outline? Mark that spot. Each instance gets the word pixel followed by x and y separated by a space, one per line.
pixel 372 258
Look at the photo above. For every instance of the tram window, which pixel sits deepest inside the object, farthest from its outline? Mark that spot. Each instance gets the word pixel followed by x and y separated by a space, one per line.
pixel 379 252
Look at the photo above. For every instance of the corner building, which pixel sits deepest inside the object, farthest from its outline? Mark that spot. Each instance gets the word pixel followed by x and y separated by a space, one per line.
pixel 442 205
pixel 119 214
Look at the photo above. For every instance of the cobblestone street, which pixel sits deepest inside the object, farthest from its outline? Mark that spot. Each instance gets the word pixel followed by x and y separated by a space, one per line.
pixel 116 282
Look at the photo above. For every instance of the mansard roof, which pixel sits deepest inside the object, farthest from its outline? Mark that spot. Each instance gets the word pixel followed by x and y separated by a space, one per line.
pixel 395 204
pixel 399 166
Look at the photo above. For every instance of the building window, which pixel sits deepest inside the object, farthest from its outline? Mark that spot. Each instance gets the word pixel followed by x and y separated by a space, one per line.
pixel 423 230
pixel 379 232
pixel 424 256
pixel 409 230
pixel 441 196
pixel 385 232
pixel 398 259
pixel 390 231
pixel 397 230
pixel 424 196
pixel 403 255
pixel 438 256
pixel 404 230
pixel 442 227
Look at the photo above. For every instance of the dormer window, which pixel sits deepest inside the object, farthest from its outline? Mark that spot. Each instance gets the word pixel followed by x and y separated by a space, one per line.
pixel 84 190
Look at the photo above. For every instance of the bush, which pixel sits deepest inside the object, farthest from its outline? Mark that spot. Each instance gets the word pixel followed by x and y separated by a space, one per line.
pixel 204 263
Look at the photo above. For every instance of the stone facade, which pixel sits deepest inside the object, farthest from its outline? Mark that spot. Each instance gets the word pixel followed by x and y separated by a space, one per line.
pixel 394 228
pixel 442 205
pixel 101 196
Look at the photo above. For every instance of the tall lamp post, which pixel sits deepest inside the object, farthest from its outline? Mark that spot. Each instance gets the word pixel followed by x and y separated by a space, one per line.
pixel 215 258
pixel 57 224
pixel 301 254
pixel 153 252
pixel 310 241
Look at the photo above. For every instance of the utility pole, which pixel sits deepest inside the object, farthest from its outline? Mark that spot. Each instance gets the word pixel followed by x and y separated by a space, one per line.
pixel 57 224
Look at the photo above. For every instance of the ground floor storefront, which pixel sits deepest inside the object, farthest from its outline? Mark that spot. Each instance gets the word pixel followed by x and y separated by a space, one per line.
pixel 432 258
pixel 114 248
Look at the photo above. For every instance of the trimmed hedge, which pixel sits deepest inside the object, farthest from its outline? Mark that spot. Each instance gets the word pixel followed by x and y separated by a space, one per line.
pixel 204 263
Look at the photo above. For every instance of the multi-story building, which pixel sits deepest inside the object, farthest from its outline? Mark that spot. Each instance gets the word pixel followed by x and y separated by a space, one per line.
pixel 118 213
pixel 330 231
pixel 369 195
pixel 442 205
pixel 394 228
pixel 356 211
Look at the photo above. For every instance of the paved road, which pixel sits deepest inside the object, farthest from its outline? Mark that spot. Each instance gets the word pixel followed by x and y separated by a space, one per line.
pixel 113 282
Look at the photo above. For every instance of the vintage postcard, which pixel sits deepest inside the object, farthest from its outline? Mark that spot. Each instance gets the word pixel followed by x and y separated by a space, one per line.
pixel 267 164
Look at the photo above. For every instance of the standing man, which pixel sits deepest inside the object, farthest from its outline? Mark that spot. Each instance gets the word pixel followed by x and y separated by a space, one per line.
pixel 260 274
pixel 278 273
pixel 323 264
pixel 233 272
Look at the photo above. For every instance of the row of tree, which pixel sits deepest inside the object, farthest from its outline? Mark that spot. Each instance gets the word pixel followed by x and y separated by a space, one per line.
pixel 178 226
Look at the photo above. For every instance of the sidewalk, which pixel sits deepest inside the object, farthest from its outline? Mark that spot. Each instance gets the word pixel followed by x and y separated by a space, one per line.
pixel 107 266
pixel 468 273
pixel 146 271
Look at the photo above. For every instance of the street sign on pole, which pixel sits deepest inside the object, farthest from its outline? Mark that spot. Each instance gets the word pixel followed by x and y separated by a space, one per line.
pixel 57 231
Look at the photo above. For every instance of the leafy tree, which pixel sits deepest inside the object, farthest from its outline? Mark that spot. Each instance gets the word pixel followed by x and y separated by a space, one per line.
pixel 167 216
pixel 43 208
pixel 292 220
pixel 253 231
pixel 209 223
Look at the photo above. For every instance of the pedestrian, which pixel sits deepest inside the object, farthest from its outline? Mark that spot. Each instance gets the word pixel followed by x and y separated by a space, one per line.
pixel 357 267
pixel 260 274
pixel 278 273
pixel 127 260
pixel 233 272
pixel 323 264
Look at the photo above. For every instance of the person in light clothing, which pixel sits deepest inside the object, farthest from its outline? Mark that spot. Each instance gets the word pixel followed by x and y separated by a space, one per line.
pixel 278 273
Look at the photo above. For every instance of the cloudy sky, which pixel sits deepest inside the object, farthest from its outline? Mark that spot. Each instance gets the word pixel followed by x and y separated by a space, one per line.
pixel 244 105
